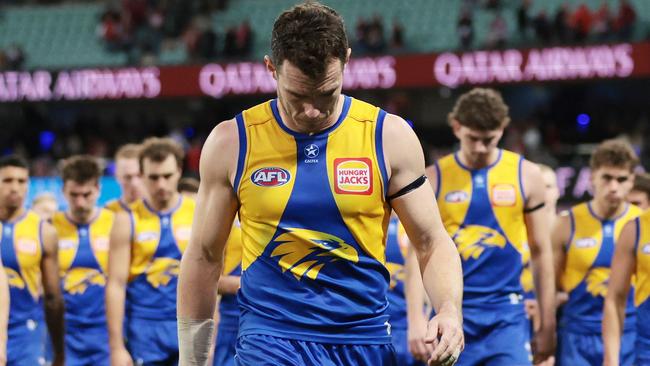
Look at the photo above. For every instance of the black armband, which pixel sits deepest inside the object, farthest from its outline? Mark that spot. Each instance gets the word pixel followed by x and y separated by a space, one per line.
pixel 535 208
pixel 410 187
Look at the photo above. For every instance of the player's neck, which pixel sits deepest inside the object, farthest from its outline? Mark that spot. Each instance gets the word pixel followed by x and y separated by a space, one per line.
pixel 317 127
pixel 82 219
pixel 607 212
pixel 9 214
pixel 165 206
pixel 471 163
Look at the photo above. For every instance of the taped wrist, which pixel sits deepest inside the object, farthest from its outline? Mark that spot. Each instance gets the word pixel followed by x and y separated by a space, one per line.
pixel 195 338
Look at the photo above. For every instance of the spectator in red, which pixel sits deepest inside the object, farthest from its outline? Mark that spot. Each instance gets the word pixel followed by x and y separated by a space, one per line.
pixel 582 22
pixel 110 30
pixel 625 20
pixel 602 21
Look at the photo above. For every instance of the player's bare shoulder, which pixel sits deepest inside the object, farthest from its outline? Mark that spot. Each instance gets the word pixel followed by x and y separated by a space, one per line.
pixel 221 150
pixel 401 145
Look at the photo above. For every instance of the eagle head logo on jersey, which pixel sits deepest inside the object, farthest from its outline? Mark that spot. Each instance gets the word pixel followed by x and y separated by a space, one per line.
pixel 14 279
pixel 597 280
pixel 161 271
pixel 77 280
pixel 472 240
pixel 397 274
pixel 305 252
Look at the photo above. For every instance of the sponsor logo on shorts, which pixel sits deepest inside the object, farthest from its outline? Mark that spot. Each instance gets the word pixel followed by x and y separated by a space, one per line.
pixel 504 195
pixel 586 243
pixel 270 177
pixel 456 197
pixel 353 176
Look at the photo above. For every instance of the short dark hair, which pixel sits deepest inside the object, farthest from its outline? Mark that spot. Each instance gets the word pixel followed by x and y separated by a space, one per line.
pixel 642 183
pixel 81 169
pixel 309 35
pixel 616 153
pixel 481 109
pixel 14 161
pixel 158 149
pixel 188 184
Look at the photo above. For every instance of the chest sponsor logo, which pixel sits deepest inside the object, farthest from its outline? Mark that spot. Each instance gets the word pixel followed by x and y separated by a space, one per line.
pixel 353 176
pixel 270 177
pixel 27 246
pixel 311 153
pixel 100 243
pixel 147 236
pixel 183 233
pixel 504 195
pixel 456 197
pixel 646 249
pixel 584 243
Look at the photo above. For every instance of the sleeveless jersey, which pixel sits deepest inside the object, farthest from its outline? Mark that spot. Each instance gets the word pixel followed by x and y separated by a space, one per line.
pixel 314 223
pixel 587 267
pixel 117 205
pixel 229 307
pixel 527 279
pixel 83 261
pixel 483 212
pixel 396 254
pixel 22 251
pixel 642 285
pixel 159 239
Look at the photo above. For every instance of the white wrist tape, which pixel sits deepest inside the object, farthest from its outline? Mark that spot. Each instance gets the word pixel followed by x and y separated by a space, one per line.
pixel 195 338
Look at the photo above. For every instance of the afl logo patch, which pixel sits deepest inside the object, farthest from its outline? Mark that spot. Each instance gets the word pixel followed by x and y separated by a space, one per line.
pixel 353 176
pixel 456 196
pixel 270 177
pixel 586 243
pixel 504 195
pixel 646 249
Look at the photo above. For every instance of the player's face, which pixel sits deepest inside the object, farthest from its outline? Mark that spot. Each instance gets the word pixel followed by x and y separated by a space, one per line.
pixel 611 185
pixel 81 197
pixel 307 102
pixel 127 173
pixel 477 146
pixel 13 187
pixel 161 179
pixel 639 198
pixel 45 209
pixel 550 183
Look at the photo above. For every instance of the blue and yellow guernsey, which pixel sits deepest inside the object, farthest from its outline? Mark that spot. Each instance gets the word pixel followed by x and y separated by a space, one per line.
pixel 159 239
pixel 314 222
pixel 642 285
pixel 22 251
pixel 83 260
pixel 116 206
pixel 396 253
pixel 588 261
pixel 229 307
pixel 483 212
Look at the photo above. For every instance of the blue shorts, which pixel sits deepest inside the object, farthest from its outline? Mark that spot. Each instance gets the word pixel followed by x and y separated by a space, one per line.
pixel 579 349
pixel 225 349
pixel 263 350
pixel 26 344
pixel 401 345
pixel 496 337
pixel 87 346
pixel 642 348
pixel 152 342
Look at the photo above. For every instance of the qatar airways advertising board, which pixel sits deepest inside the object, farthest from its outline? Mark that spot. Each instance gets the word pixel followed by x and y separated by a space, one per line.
pixel 449 69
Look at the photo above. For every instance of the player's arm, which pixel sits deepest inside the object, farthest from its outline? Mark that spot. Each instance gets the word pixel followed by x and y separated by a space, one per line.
pixel 436 254
pixel 202 261
pixel 560 236
pixel 541 257
pixel 414 294
pixel 54 308
pixel 119 262
pixel 4 314
pixel 228 285
pixel 617 292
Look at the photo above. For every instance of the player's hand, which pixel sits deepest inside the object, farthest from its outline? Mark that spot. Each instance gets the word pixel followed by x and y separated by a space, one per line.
pixel 121 357
pixel 532 310
pixel 543 345
pixel 417 331
pixel 445 334
pixel 561 298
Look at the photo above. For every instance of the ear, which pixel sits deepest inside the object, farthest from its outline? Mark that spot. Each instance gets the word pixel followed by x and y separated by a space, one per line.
pixel 455 127
pixel 270 67
pixel 347 57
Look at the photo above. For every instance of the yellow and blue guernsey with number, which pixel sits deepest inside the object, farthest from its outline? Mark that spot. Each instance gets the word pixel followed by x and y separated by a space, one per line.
pixel 483 212
pixel 159 239
pixel 22 253
pixel 117 205
pixel 314 221
pixel 642 289
pixel 589 255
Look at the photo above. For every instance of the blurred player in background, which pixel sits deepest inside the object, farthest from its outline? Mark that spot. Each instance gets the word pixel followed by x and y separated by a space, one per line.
pixel 128 176
pixel 640 193
pixel 45 205
pixel 491 202
pixel 584 240
pixel 145 250
pixel 188 187
pixel 83 232
pixel 29 256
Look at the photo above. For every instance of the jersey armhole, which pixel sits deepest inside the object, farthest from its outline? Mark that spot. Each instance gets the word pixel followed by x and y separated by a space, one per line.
pixel 132 221
pixel 637 233
pixel 40 235
pixel 379 150
pixel 521 181
pixel 438 179
pixel 241 159
pixel 571 232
